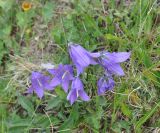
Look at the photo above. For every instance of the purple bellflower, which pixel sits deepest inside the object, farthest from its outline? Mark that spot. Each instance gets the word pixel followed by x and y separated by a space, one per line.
pixel 63 74
pixel 111 62
pixel 105 83
pixel 81 57
pixel 39 83
pixel 76 91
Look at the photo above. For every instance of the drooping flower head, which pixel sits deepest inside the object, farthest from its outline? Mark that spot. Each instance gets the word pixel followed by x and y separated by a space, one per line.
pixel 111 62
pixel 39 83
pixel 105 83
pixel 26 6
pixel 63 74
pixel 76 91
pixel 81 57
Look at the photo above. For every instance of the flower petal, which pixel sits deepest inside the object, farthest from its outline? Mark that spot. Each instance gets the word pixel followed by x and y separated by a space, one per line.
pixel 80 69
pixel 104 85
pixel 80 55
pixel 44 81
pixel 72 96
pixel 77 90
pixel 69 69
pixel 117 57
pixel 77 84
pixel 115 69
pixel 54 82
pixel 30 90
pixel 101 86
pixel 65 83
pixel 93 57
pixel 84 95
pixel 36 75
pixel 52 71
pixel 38 88
pixel 39 92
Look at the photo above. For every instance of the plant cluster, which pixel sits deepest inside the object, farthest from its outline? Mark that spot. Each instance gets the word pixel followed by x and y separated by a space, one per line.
pixel 81 58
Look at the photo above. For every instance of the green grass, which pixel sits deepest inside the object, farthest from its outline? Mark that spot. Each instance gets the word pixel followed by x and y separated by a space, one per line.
pixel 41 34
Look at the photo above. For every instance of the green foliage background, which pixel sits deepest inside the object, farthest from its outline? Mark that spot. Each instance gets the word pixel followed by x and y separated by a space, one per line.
pixel 40 35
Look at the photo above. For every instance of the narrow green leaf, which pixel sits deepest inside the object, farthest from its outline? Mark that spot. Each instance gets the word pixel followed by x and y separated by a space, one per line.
pixel 47 11
pixel 6 4
pixel 26 104
pixel 72 120
pixel 114 38
pixel 43 121
pixel 125 109
pixel 54 102
pixel 60 93
pixel 143 119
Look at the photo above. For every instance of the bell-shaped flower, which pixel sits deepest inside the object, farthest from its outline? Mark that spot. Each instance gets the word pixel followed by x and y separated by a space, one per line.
pixel 81 57
pixel 63 74
pixel 76 91
pixel 104 84
pixel 39 83
pixel 111 62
